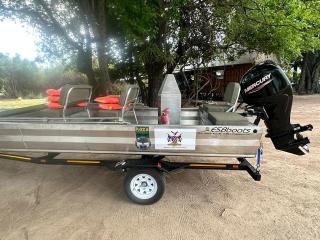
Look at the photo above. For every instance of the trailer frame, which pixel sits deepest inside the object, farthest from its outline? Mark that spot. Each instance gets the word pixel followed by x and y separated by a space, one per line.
pixel 154 166
pixel 146 161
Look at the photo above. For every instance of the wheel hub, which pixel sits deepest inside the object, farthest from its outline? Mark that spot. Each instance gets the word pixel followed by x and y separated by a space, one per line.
pixel 143 186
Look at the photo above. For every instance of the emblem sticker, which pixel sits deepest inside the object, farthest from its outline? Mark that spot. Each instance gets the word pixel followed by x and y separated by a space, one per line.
pixel 142 138
pixel 175 139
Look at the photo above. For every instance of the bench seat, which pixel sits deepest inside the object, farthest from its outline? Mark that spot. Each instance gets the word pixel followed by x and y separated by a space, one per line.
pixel 216 107
pixel 227 118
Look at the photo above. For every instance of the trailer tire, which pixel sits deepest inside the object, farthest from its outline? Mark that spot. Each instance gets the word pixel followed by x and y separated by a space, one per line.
pixel 144 186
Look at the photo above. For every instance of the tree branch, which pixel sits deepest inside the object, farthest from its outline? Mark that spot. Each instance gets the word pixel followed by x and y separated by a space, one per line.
pixel 58 27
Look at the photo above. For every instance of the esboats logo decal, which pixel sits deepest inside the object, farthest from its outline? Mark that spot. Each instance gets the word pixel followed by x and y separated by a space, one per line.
pixel 258 84
pixel 229 130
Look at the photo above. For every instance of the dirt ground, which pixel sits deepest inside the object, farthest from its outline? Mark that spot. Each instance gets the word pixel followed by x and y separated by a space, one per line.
pixel 78 202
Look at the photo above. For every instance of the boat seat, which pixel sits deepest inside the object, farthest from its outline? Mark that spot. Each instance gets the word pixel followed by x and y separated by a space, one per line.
pixel 230 100
pixel 223 107
pixel 128 101
pixel 227 118
pixel 71 95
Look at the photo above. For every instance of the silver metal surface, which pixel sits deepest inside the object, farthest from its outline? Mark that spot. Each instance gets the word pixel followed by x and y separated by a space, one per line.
pixel 169 96
pixel 128 100
pixel 103 134
pixel 120 139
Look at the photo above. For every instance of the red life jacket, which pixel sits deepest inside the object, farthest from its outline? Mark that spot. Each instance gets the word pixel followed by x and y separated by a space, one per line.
pixel 111 99
pixel 53 92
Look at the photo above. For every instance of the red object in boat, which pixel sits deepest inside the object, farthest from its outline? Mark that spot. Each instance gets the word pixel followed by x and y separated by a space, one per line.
pixel 164 118
pixel 53 98
pixel 54 105
pixel 82 104
pixel 111 99
pixel 110 106
pixel 53 92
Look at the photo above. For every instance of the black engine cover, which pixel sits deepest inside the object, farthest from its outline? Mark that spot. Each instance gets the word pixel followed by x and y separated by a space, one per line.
pixel 266 85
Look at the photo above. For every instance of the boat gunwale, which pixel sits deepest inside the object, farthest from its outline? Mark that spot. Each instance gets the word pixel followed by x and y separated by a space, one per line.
pixel 158 153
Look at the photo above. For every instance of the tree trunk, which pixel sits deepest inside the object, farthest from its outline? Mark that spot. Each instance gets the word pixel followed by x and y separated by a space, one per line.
pixel 131 64
pixel 84 65
pixel 142 86
pixel 316 82
pixel 155 64
pixel 95 20
pixel 310 72
pixel 180 52
pixel 295 76
pixel 12 86
pixel 155 77
pixel 104 81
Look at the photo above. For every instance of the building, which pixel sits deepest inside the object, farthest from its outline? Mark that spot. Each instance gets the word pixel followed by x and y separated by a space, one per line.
pixel 209 83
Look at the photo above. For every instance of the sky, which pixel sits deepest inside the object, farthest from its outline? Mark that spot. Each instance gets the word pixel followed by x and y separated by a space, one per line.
pixel 16 39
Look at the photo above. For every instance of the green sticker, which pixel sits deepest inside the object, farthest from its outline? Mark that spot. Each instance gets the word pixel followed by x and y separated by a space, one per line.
pixel 142 138
pixel 142 132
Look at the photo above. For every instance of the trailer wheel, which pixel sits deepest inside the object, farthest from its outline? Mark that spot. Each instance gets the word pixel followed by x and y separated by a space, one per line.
pixel 144 186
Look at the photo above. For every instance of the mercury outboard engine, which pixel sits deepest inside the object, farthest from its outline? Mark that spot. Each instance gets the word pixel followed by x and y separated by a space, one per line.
pixel 268 91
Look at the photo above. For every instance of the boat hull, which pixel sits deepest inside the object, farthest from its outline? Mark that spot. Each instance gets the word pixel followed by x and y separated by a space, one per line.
pixel 198 140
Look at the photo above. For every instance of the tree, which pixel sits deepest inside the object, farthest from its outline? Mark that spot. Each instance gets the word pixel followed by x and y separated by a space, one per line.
pixel 156 36
pixel 70 27
pixel 310 73
pixel 143 28
pixel 18 77
pixel 289 29
pixel 172 33
pixel 23 78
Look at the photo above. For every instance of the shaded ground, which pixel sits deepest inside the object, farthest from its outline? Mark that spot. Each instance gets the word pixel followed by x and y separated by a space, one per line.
pixel 74 202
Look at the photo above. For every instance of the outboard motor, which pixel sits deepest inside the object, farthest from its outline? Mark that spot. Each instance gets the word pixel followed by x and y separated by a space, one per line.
pixel 269 92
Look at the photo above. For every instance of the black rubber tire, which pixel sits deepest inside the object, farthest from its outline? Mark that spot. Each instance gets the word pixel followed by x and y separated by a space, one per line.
pixel 157 175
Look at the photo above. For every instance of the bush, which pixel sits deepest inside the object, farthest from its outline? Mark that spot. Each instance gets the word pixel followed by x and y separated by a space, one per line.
pixel 117 87
pixel 17 76
pixel 23 78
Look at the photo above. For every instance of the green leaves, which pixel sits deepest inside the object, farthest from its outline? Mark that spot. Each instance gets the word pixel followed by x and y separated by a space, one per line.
pixel 137 18
pixel 140 34
pixel 18 76
pixel 285 28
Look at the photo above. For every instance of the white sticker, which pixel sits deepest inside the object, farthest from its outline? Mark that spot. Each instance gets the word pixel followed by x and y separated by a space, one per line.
pixel 175 139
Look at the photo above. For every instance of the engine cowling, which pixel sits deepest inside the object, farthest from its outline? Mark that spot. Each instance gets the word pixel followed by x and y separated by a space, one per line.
pixel 267 86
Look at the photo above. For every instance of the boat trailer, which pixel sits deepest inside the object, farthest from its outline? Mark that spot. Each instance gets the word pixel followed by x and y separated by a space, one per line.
pixel 146 161
pixel 150 168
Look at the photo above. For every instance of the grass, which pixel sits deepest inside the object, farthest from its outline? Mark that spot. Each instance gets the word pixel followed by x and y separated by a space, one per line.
pixel 20 103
